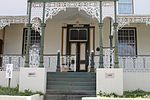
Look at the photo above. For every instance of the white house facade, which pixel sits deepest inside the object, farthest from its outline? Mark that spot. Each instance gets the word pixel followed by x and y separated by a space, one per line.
pixel 78 37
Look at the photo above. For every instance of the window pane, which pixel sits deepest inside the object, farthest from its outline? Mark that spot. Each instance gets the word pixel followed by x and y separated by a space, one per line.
pixel 127 41
pixel 35 39
pixel 82 34
pixel 125 7
pixel 73 34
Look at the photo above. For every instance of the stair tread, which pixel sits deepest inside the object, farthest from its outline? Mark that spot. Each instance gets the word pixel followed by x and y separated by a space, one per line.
pixel 70 85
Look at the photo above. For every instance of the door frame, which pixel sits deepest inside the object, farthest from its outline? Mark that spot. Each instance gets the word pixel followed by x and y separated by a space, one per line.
pixel 87 48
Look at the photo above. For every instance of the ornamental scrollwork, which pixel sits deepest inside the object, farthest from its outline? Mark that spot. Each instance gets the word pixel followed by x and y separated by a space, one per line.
pixel 7 20
pixel 36 24
pixel 91 8
pixel 126 20
pixel 3 23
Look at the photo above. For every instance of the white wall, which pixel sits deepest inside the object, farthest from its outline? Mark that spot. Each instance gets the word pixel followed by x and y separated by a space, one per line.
pixel 109 80
pixel 33 79
pixel 136 80
pixel 13 39
pixel 143 39
pixel 14 80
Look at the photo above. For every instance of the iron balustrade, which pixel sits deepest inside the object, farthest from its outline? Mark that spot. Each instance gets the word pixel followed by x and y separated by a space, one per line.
pixel 50 61
pixel 139 63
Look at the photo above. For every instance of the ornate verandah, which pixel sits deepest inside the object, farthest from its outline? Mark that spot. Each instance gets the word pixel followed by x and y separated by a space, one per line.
pixel 40 10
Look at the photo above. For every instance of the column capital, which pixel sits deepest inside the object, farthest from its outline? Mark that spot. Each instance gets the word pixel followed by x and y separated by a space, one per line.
pixel 100 24
pixel 29 25
pixel 115 25
pixel 43 25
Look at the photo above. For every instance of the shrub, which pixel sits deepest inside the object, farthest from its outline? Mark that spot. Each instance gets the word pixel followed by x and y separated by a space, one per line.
pixel 127 94
pixel 15 91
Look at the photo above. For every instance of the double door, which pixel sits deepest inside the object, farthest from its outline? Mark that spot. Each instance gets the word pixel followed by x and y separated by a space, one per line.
pixel 80 49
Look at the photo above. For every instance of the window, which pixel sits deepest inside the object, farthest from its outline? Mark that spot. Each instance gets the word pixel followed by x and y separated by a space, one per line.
pixel 127 41
pixel 125 7
pixel 35 39
pixel 78 35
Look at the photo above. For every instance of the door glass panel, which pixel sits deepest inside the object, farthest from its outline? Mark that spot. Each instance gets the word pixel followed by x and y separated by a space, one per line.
pixel 82 34
pixel 82 51
pixel 73 48
pixel 73 34
pixel 82 56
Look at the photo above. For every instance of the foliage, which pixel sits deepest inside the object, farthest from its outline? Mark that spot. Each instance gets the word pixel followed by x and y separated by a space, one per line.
pixel 15 91
pixel 127 94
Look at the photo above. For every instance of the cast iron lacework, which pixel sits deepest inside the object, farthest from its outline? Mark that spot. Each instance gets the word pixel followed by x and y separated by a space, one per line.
pixel 34 47
pixel 126 20
pixel 53 8
pixel 91 8
pixel 34 55
pixel 7 20
pixel 36 22
pixel 3 23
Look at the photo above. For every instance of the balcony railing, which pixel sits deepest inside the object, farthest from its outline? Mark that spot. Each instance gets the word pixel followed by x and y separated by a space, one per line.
pixel 50 62
pixel 140 63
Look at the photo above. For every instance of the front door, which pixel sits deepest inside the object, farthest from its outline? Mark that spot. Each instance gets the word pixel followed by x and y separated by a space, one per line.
pixel 81 51
pixel 78 45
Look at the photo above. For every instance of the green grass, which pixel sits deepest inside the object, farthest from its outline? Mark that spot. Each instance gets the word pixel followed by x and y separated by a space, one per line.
pixel 15 92
pixel 128 94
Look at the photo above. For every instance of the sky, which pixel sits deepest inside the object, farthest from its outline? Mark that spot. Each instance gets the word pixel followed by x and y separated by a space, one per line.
pixel 19 7
pixel 142 7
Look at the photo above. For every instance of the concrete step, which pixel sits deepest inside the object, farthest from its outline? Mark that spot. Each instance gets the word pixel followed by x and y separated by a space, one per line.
pixel 71 87
pixel 65 97
pixel 71 79
pixel 70 92
pixel 77 83
pixel 71 74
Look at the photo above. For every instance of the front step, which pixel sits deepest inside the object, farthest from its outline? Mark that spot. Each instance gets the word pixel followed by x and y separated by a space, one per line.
pixel 65 97
pixel 70 85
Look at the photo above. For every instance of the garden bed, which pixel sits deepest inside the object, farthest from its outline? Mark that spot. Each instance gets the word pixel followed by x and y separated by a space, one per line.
pixel 128 95
pixel 14 94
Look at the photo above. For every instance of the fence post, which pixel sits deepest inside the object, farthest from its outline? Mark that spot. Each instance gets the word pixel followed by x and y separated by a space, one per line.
pixel 92 61
pixel 58 61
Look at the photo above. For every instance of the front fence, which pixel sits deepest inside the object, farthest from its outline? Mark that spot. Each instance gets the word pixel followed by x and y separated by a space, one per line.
pixel 128 63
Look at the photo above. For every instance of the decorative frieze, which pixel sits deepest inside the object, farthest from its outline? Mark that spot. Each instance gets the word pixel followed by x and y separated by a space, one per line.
pixel 7 20
pixel 127 20
pixel 122 20
pixel 92 8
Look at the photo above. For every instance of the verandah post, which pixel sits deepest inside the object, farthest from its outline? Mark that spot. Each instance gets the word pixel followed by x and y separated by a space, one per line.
pixel 116 61
pixel 29 25
pixel 58 62
pixel 43 25
pixel 101 39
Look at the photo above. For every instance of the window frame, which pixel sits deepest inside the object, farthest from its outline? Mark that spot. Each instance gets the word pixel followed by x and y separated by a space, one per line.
pixel 124 3
pixel 78 29
pixel 24 41
pixel 135 36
